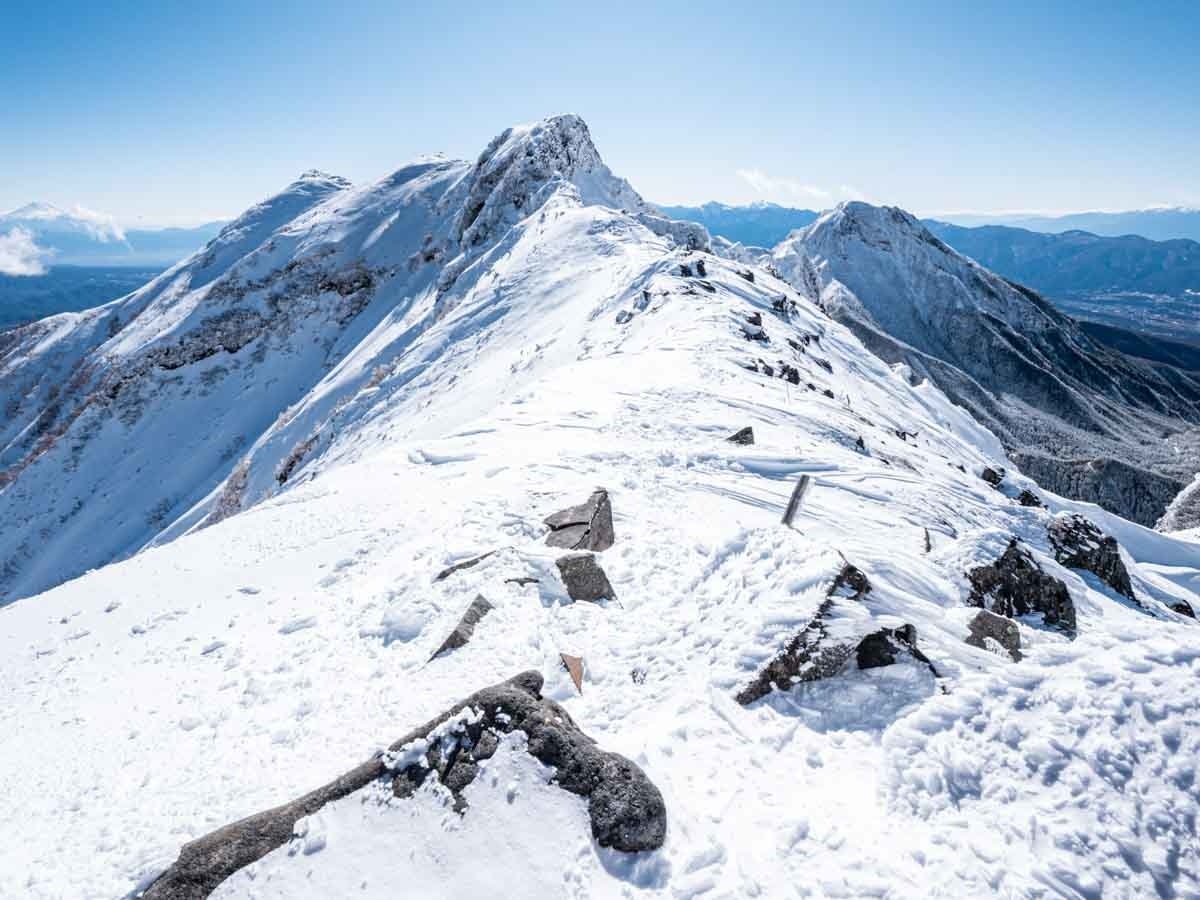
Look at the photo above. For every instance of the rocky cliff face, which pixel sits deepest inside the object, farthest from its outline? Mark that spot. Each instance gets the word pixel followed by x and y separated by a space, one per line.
pixel 1085 420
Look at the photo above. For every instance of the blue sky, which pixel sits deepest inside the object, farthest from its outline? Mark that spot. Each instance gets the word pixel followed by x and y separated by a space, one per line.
pixel 179 112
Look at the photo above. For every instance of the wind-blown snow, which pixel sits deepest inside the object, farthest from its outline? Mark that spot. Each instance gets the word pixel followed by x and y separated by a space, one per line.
pixel 240 664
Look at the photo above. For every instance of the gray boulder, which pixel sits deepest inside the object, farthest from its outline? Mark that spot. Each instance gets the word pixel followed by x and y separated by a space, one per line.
pixel 584 578
pixel 1079 544
pixel 1015 585
pixel 1183 608
pixel 995 633
pixel 991 476
pixel 1029 498
pixel 626 810
pixel 588 526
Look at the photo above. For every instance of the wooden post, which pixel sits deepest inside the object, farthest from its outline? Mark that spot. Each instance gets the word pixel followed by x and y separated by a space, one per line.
pixel 797 498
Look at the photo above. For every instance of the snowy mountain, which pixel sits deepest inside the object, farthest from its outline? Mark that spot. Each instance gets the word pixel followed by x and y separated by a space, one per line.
pixel 40 235
pixel 460 494
pixel 1083 419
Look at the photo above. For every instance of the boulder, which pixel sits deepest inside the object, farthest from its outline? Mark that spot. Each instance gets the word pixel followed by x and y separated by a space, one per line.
pixel 584 578
pixel 850 583
pixel 1183 608
pixel 1079 544
pixel 625 809
pixel 995 633
pixel 991 476
pixel 1029 498
pixel 1015 585
pixel 883 647
pixel 588 526
pixel 624 316
pixel 465 628
pixel 753 329
pixel 700 269
pixel 744 436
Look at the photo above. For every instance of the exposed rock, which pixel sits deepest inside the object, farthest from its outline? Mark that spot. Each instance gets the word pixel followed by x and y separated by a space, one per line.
pixel 624 316
pixel 1029 498
pixel 465 628
pixel 991 476
pixel 860 444
pixel 812 654
pixel 626 810
pixel 700 269
pixel 522 580
pixel 880 648
pixel 1079 544
pixel 685 271
pixel 588 526
pixel 743 436
pixel 850 583
pixel 584 578
pixel 753 329
pixel 1183 608
pixel 995 633
pixel 1014 585
pixel 747 274
pixel 465 564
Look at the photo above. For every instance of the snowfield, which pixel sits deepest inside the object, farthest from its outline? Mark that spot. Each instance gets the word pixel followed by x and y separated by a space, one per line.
pixel 277 632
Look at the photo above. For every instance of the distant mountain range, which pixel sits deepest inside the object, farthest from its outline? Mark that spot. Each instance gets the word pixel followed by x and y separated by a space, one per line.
pixel 50 236
pixel 1160 224
pixel 756 225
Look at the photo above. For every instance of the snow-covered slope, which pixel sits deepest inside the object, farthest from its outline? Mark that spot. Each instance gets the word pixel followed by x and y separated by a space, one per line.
pixel 490 385
pixel 1083 419
pixel 120 421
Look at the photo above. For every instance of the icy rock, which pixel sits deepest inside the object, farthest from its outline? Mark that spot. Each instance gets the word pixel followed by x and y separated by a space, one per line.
pixel 461 635
pixel 882 647
pixel 743 436
pixel 812 654
pixel 992 632
pixel 626 810
pixel 584 578
pixel 1029 498
pixel 1015 585
pixel 588 526
pixel 1079 544
pixel 624 317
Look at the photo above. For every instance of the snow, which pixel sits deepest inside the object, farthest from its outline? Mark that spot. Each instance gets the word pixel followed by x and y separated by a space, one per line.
pixel 236 666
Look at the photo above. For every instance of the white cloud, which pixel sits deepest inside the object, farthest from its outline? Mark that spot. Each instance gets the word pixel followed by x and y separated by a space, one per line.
pixel 20 254
pixel 781 188
pixel 790 190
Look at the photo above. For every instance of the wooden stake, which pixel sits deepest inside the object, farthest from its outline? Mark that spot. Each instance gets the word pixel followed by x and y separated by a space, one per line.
pixel 574 666
pixel 797 498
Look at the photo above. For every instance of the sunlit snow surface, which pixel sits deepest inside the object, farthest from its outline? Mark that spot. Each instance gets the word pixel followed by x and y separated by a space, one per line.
pixel 148 702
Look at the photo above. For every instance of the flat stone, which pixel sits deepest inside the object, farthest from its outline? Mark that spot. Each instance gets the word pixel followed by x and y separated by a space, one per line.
pixel 584 578
pixel 465 628
pixel 588 526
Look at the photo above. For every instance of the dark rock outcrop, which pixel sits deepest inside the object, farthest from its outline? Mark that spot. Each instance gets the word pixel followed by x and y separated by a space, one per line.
pixel 882 647
pixel 995 633
pixel 1029 498
pixel 812 654
pixel 991 476
pixel 1015 585
pixel 744 436
pixel 626 810
pixel 588 526
pixel 462 632
pixel 753 329
pixel 584 578
pixel 1183 608
pixel 1079 544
